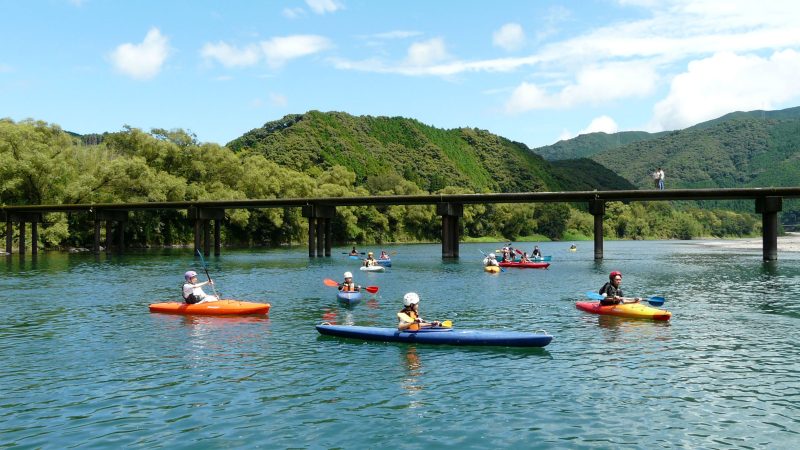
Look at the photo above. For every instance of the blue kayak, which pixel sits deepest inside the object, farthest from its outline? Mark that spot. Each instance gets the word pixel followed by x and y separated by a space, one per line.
pixel 385 262
pixel 354 256
pixel 439 336
pixel 349 297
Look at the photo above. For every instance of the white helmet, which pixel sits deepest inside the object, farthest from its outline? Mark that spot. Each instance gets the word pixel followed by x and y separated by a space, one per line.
pixel 189 274
pixel 410 299
pixel 348 275
pixel 491 255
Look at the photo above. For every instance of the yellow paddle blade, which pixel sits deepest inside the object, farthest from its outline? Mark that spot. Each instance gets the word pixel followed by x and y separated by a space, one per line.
pixel 447 324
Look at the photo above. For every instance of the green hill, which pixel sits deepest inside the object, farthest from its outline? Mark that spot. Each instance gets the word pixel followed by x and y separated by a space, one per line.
pixel 430 157
pixel 586 145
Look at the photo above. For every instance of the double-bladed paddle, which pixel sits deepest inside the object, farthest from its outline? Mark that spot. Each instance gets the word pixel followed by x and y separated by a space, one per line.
pixel 334 283
pixel 207 275
pixel 654 300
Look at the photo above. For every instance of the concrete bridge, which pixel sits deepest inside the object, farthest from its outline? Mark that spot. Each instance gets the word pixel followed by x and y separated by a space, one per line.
pixel 319 211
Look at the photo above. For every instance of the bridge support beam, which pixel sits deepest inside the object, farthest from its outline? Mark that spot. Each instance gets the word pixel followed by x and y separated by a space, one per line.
pixel 110 216
pixel 202 228
pixel 451 214
pixel 769 207
pixel 320 235
pixel 21 218
pixel 597 208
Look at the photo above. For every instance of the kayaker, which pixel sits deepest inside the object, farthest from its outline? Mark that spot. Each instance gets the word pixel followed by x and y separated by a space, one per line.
pixel 490 260
pixel 524 258
pixel 409 315
pixel 612 291
pixel 193 291
pixel 573 247
pixel 536 253
pixel 384 255
pixel 354 252
pixel 348 284
pixel 370 261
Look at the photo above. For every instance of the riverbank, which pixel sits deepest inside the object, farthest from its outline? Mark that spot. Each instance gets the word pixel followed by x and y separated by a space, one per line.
pixel 788 243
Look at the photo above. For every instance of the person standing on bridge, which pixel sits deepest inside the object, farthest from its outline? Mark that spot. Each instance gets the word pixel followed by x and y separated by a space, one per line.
pixel 660 178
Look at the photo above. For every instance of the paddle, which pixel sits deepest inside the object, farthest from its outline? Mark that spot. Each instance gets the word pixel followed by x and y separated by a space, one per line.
pixel 484 254
pixel 654 300
pixel 333 283
pixel 348 253
pixel 207 275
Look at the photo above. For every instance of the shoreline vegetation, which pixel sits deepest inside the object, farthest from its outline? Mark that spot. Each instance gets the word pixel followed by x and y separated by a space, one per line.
pixel 44 165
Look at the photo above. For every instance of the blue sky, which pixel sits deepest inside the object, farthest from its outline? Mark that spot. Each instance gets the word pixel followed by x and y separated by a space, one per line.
pixel 531 71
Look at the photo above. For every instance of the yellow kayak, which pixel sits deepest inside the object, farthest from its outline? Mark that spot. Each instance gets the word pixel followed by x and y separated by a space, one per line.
pixel 491 269
pixel 630 310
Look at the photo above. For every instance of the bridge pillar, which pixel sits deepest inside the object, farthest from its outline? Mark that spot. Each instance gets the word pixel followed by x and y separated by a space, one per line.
pixel 202 228
pixel 451 214
pixel 21 218
pixel 320 234
pixel 110 216
pixel 597 208
pixel 769 207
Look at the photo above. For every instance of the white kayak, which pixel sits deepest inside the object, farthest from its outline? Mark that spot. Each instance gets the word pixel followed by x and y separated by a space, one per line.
pixel 373 268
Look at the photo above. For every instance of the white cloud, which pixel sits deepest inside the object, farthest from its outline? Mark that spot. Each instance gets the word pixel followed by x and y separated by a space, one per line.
pixel 276 51
pixel 727 82
pixel 279 50
pixel 324 6
pixel 426 53
pixel 395 34
pixel 278 99
pixel 592 85
pixel 230 56
pixel 602 124
pixel 509 37
pixel 293 13
pixel 142 61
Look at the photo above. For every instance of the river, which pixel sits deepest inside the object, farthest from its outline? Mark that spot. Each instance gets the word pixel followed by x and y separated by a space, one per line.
pixel 86 365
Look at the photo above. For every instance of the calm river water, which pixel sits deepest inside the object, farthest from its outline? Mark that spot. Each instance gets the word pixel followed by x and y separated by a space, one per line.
pixel 86 365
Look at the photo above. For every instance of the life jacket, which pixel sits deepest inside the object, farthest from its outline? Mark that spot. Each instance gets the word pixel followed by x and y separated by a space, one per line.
pixel 413 315
pixel 349 287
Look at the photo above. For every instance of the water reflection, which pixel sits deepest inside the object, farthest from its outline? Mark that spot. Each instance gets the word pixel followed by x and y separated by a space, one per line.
pixel 337 316
pixel 411 383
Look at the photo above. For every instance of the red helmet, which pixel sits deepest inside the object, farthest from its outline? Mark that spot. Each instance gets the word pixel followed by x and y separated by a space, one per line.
pixel 613 274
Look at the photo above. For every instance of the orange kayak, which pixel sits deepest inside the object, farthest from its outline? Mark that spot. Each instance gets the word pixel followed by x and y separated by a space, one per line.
pixel 218 308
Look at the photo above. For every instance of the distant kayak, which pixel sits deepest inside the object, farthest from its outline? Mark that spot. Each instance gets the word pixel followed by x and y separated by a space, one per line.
pixel 542 258
pixel 629 310
pixel 386 262
pixel 526 265
pixel 349 297
pixel 373 268
pixel 439 336
pixel 354 256
pixel 491 269
pixel 218 308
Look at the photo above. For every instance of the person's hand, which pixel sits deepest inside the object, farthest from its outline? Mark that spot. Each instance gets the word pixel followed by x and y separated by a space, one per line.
pixel 210 281
pixel 436 323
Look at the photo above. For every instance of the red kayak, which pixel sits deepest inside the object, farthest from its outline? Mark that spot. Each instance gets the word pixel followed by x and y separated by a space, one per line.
pixel 525 265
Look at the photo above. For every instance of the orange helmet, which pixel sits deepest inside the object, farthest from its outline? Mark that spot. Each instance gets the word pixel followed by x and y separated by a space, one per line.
pixel 613 274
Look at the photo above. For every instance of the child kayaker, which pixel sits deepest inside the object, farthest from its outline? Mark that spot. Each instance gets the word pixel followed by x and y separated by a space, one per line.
pixel 354 252
pixel 348 284
pixel 490 260
pixel 409 315
pixel 536 252
pixel 384 255
pixel 193 291
pixel 370 261
pixel 612 291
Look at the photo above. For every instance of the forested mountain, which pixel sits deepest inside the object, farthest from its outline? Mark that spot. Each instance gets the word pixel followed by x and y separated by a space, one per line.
pixel 742 151
pixel 431 158
pixel 586 145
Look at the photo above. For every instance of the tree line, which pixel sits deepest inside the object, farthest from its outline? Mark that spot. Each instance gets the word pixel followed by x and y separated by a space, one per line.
pixel 42 164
